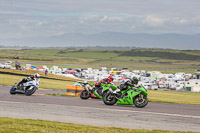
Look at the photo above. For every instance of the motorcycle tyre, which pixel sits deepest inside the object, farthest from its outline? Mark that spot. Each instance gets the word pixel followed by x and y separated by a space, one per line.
pixel 88 95
pixel 140 105
pixel 30 92
pixel 12 91
pixel 108 102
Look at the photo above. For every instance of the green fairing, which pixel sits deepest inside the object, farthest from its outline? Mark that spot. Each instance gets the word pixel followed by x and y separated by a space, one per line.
pixel 107 86
pixel 91 84
pixel 96 94
pixel 113 87
pixel 144 92
pixel 128 99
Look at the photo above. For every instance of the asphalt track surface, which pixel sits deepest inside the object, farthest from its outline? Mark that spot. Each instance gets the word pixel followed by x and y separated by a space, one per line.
pixel 160 116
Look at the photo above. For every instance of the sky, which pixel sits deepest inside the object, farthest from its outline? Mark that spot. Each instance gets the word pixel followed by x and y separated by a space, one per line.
pixel 42 18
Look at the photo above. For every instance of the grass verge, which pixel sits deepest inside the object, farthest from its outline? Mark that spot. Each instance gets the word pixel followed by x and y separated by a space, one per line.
pixel 11 125
pixel 174 97
pixel 64 95
pixel 32 72
pixel 44 83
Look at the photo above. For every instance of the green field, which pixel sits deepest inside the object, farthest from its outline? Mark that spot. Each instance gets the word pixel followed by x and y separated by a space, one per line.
pixel 174 97
pixel 11 125
pixel 142 58
pixel 54 82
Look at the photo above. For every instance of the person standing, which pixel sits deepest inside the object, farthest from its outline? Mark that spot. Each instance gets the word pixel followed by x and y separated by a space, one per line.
pixel 46 72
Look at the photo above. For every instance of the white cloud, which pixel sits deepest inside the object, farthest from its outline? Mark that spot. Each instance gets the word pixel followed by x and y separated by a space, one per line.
pixel 41 23
pixel 89 17
pixel 106 18
pixel 153 21
pixel 177 21
pixel 49 17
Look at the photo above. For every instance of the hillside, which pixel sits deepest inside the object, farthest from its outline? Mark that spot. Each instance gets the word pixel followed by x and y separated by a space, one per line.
pixel 143 40
pixel 135 58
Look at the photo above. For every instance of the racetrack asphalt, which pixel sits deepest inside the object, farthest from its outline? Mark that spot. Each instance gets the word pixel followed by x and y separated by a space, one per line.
pixel 160 116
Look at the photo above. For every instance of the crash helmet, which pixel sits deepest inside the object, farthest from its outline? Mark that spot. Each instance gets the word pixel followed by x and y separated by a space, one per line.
pixel 135 80
pixel 98 84
pixel 110 78
pixel 36 75
pixel 85 82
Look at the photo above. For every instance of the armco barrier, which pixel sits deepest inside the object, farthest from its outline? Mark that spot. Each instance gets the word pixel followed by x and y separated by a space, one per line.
pixel 74 90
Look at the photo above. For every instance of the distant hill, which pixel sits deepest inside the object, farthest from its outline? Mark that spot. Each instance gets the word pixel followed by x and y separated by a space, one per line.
pixel 171 40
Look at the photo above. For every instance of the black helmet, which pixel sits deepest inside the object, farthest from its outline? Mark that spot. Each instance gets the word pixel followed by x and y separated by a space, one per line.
pixel 135 80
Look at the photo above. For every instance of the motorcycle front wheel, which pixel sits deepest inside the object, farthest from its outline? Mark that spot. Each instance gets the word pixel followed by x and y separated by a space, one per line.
pixel 140 101
pixel 29 91
pixel 109 99
pixel 12 90
pixel 85 94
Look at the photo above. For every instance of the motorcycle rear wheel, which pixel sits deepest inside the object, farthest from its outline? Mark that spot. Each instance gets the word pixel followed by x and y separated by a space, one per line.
pixel 85 94
pixel 109 99
pixel 140 101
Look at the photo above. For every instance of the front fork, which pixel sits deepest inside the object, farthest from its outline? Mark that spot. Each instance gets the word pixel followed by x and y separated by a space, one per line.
pixel 140 98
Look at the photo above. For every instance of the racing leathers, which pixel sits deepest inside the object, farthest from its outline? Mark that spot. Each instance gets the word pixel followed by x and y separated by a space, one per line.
pixel 24 80
pixel 125 86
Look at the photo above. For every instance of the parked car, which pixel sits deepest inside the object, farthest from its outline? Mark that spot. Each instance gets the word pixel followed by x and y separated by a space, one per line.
pixel 5 65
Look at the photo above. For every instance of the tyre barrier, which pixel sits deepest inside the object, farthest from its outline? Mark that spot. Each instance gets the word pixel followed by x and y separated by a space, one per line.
pixel 74 90
pixel 78 90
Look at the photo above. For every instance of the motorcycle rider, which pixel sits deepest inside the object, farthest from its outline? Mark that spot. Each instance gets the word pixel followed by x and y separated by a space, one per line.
pixel 132 82
pixel 105 81
pixel 29 78
pixel 108 80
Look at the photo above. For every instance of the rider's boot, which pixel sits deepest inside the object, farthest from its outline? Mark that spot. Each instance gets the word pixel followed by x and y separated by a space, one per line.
pixel 116 91
pixel 17 86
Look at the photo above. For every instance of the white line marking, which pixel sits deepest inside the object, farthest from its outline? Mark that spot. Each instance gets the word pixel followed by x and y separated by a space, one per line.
pixel 119 110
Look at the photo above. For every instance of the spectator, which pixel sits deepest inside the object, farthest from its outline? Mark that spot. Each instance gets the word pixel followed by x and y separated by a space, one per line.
pixel 46 72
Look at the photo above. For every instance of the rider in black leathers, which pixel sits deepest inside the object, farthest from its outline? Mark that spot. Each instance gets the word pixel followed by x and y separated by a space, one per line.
pixel 29 78
pixel 132 82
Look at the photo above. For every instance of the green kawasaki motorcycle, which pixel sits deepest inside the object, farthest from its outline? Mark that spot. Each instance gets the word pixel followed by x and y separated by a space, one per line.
pixel 129 96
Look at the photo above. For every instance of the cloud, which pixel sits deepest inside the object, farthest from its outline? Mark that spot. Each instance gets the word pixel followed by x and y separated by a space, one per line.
pixel 153 21
pixel 50 17
pixel 99 19
pixel 40 23
pixel 106 18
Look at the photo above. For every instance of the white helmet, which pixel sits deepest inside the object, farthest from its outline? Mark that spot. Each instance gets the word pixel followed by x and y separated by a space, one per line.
pixel 85 82
pixel 36 75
